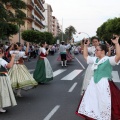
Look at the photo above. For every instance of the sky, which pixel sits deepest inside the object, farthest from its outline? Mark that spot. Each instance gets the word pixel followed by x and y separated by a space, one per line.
pixel 84 15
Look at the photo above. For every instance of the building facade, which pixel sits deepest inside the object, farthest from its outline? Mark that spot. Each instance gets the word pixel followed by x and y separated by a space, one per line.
pixel 34 18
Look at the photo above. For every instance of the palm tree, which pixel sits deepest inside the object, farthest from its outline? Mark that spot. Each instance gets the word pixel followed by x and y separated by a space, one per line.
pixel 70 31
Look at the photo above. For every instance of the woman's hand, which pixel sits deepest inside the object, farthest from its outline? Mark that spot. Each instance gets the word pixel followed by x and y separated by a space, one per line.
pixel 86 41
pixel 115 41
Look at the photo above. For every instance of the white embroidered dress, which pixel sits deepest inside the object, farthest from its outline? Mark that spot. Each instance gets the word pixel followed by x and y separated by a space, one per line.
pixel 96 102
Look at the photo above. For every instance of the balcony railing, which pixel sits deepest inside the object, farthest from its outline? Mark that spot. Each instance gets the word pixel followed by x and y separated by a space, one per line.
pixel 38 2
pixel 30 17
pixel 39 12
pixel 30 4
pixel 41 4
pixel 39 22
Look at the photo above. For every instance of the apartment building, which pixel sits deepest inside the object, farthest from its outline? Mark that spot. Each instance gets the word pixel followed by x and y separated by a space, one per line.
pixel 56 28
pixel 48 18
pixel 34 18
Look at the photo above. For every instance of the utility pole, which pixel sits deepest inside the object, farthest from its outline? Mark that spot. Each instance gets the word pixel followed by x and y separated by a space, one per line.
pixel 62 29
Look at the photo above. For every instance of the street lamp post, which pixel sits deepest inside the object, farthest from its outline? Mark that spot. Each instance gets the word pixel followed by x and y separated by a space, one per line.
pixel 84 33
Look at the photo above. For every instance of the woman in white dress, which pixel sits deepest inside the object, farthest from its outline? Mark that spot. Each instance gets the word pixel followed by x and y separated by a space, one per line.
pixel 88 72
pixel 101 98
pixel 19 74
pixel 6 93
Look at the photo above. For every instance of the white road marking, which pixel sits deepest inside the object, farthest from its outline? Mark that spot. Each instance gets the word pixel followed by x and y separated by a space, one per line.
pixel 30 70
pixel 73 86
pixel 52 112
pixel 57 72
pixel 72 75
pixel 115 76
pixel 80 63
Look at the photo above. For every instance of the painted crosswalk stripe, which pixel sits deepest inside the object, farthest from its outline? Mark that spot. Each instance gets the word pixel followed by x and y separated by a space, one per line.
pixel 30 70
pixel 52 112
pixel 72 88
pixel 115 76
pixel 72 75
pixel 57 72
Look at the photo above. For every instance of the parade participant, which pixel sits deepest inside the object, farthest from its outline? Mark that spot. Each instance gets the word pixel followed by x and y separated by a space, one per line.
pixel 19 74
pixel 91 52
pixel 88 73
pixel 43 72
pixel 62 50
pixel 6 93
pixel 101 98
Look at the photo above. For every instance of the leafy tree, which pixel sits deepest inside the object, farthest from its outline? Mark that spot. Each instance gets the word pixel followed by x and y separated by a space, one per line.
pixel 59 37
pixel 48 37
pixel 30 36
pixel 108 28
pixel 12 29
pixel 14 15
pixel 70 31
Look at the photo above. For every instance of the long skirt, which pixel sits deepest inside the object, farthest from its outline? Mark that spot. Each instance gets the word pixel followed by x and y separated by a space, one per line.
pixel 87 78
pixel 21 78
pixel 7 97
pixel 68 57
pixel 100 101
pixel 43 72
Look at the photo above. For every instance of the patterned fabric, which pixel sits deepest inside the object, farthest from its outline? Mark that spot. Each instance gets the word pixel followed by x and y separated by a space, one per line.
pixel 20 77
pixel 96 102
pixel 6 93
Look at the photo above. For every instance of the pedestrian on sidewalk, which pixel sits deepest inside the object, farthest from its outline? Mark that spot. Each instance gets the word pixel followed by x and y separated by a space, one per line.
pixel 7 97
pixel 101 98
pixel 43 71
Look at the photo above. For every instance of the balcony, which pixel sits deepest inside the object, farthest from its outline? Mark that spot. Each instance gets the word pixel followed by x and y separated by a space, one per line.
pixel 30 18
pixel 30 4
pixel 39 23
pixel 38 2
pixel 38 13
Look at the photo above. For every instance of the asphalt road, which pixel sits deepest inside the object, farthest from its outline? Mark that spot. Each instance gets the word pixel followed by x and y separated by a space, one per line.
pixel 56 100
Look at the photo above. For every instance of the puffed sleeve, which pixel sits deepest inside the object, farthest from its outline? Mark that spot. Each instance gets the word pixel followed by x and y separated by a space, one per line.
pixel 43 51
pixel 4 63
pixel 90 60
pixel 21 53
pixel 112 61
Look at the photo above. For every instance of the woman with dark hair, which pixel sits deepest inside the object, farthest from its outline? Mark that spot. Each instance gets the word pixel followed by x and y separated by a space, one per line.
pixel 19 74
pixel 91 52
pixel 43 72
pixel 6 93
pixel 101 99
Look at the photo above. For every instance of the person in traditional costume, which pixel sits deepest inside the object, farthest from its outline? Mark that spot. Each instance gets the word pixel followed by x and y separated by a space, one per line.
pixel 19 74
pixel 91 52
pixel 101 100
pixel 88 72
pixel 43 71
pixel 7 97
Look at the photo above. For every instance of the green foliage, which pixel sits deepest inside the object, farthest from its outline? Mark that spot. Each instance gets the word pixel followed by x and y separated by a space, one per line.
pixel 70 31
pixel 48 37
pixel 8 16
pixel 37 37
pixel 12 29
pixel 31 36
pixel 108 28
